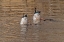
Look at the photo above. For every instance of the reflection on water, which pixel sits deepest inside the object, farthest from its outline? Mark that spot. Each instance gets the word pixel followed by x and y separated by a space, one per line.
pixel 35 32
pixel 23 29
pixel 44 32
pixel 36 29
pixel 23 32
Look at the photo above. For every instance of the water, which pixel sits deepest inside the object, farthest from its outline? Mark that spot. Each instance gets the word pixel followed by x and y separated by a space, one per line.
pixel 23 33
pixel 46 31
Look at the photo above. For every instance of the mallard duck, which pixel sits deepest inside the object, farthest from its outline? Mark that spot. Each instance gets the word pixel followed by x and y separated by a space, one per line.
pixel 36 17
pixel 24 19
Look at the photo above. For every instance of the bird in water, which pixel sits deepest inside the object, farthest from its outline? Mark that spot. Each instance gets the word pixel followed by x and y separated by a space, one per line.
pixel 24 20
pixel 36 17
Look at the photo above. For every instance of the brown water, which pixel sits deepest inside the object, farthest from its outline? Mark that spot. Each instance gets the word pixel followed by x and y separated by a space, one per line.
pixel 47 31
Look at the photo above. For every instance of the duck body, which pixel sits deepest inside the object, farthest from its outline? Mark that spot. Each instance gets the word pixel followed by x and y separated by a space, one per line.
pixel 24 20
pixel 36 18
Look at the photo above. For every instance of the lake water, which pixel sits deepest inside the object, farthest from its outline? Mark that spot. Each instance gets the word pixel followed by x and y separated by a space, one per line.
pixel 46 31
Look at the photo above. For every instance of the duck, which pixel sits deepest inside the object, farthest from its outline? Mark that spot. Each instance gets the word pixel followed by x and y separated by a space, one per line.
pixel 36 17
pixel 24 20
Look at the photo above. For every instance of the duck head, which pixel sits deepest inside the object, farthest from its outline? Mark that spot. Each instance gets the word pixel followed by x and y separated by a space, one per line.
pixel 25 15
pixel 36 11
